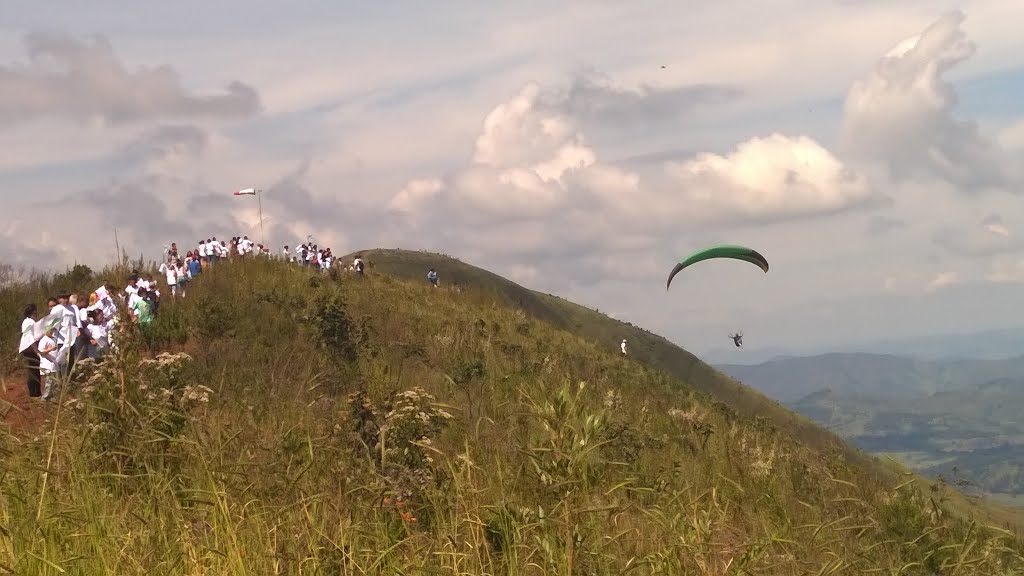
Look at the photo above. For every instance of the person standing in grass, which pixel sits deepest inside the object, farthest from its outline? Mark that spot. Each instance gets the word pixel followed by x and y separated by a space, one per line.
pixel 29 352
pixel 194 267
pixel 47 363
pixel 432 277
pixel 143 309
pixel 170 271
pixel 181 274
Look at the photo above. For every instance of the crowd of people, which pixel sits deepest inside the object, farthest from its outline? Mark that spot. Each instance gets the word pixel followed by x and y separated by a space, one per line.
pixel 52 343
pixel 68 332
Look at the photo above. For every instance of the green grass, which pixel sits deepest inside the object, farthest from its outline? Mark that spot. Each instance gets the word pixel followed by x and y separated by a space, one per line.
pixel 285 422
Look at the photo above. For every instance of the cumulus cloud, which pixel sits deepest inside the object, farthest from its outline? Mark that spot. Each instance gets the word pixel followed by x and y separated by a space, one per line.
pixel 901 113
pixel 776 177
pixel 536 190
pixel 72 78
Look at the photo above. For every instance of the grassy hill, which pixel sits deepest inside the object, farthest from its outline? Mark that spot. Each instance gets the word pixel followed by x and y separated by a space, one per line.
pixel 279 421
pixel 644 347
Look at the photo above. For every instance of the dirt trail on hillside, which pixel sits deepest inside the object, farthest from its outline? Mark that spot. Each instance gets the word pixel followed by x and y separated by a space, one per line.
pixel 21 413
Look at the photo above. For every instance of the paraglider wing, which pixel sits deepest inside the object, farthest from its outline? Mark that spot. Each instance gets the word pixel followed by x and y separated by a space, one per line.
pixel 728 251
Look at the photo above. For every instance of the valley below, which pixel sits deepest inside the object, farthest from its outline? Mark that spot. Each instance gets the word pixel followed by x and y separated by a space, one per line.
pixel 960 419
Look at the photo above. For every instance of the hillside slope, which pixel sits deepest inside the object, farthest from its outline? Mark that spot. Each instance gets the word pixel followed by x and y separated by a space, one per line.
pixel 645 347
pixel 300 423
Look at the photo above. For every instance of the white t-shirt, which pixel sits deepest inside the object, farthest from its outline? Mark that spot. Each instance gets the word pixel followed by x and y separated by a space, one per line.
pixel 170 273
pixel 26 337
pixel 99 334
pixel 133 299
pixel 47 360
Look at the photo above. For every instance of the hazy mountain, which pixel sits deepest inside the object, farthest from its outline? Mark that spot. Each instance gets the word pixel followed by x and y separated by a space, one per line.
pixel 935 416
pixel 879 376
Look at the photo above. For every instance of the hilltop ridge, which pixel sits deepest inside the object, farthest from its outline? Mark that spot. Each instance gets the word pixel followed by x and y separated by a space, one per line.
pixel 645 347
pixel 287 421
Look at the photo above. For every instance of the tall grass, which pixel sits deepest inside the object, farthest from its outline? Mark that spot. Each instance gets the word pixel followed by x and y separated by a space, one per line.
pixel 279 421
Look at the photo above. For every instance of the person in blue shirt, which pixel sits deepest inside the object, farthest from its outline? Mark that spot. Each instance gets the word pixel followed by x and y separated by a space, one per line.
pixel 432 277
pixel 194 267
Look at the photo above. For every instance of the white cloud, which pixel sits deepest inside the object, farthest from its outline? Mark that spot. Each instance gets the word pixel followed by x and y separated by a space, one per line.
pixel 770 177
pixel 68 77
pixel 531 164
pixel 901 113
pixel 414 193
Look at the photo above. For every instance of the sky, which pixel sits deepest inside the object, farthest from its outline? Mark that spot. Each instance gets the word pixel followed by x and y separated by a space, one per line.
pixel 872 151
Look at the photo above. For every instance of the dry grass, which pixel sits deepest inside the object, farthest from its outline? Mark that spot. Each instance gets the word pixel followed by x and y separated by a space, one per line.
pixel 323 425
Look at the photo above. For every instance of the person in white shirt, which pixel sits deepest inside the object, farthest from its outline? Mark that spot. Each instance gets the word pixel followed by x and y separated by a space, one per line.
pixel 133 297
pixel 47 363
pixel 213 250
pixel 201 251
pixel 170 271
pixel 30 353
pixel 181 273
pixel 97 335
pixel 131 288
pixel 66 333
pixel 623 346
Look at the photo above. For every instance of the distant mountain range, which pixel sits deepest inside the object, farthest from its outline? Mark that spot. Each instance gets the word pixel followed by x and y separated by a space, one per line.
pixel 934 415
pixel 990 344
pixel 876 376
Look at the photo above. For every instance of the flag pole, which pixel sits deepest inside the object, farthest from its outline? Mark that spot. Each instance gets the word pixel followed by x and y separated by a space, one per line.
pixel 259 204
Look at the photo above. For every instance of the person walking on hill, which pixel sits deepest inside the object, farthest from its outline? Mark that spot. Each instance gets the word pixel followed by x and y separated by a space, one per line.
pixel 170 271
pixel 142 308
pixel 623 346
pixel 29 352
pixel 48 363
pixel 357 264
pixel 432 277
pixel 194 267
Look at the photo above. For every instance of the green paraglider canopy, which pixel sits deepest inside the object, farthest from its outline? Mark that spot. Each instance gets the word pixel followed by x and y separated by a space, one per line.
pixel 725 251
